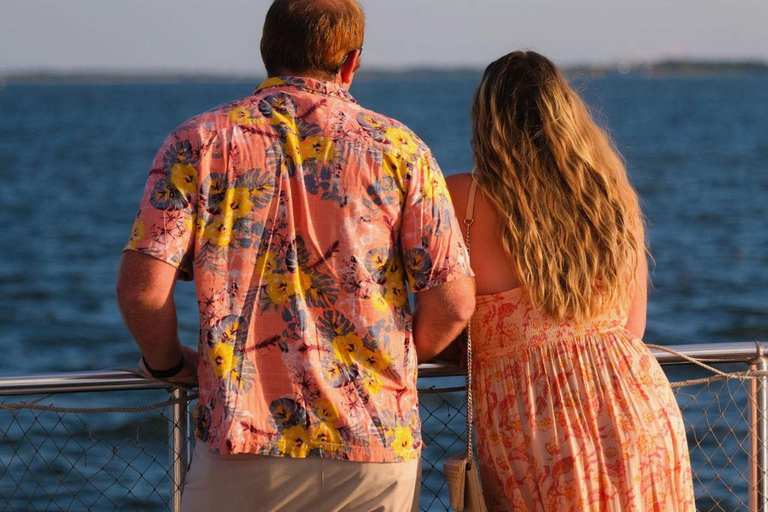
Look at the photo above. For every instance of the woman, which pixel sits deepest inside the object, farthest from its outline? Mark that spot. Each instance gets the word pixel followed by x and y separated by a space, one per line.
pixel 573 412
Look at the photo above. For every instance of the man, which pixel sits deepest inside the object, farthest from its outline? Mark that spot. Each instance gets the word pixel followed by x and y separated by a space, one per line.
pixel 303 219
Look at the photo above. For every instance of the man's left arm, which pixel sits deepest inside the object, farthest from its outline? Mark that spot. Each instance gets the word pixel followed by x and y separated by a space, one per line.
pixel 145 296
pixel 436 261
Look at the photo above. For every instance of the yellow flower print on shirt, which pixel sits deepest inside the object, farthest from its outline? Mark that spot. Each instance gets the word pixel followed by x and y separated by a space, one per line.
pixel 292 146
pixel 219 230
pixel 325 436
pixel 397 169
pixel 379 301
pixel 184 178
pixel 189 224
pixel 239 200
pixel 375 359
pixel 274 81
pixel 282 113
pixel 392 294
pixel 237 204
pixel 402 142
pixel 266 264
pixel 280 288
pixel 372 383
pixel 222 356
pixel 245 116
pixel 137 233
pixel 334 371
pixel 321 149
pixel 395 293
pixel 434 183
pixel 347 348
pixel 294 442
pixel 326 411
pixel 302 283
pixel 403 443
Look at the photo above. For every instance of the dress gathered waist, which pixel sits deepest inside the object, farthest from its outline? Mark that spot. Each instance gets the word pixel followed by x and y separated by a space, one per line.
pixel 547 342
pixel 506 324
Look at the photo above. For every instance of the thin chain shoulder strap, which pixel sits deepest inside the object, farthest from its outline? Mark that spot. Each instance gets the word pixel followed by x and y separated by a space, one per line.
pixel 469 219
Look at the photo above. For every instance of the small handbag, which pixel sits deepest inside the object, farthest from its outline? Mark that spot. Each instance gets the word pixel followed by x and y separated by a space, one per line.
pixel 461 471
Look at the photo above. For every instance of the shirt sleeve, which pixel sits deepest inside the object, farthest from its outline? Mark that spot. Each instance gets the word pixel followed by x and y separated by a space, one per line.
pixel 165 225
pixel 431 241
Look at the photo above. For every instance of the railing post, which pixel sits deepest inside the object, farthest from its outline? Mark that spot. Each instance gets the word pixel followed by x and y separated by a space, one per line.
pixel 759 410
pixel 180 446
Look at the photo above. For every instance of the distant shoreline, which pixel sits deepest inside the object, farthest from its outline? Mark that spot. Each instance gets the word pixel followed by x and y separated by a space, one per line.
pixel 662 69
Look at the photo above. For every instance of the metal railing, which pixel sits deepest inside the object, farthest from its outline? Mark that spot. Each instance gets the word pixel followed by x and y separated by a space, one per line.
pixel 726 423
pixel 90 383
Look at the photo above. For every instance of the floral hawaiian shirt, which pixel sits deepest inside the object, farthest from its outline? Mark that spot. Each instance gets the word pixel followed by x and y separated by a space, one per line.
pixel 304 220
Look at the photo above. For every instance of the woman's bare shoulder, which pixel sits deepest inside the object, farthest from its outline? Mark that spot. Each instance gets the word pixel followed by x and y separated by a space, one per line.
pixel 459 180
pixel 458 188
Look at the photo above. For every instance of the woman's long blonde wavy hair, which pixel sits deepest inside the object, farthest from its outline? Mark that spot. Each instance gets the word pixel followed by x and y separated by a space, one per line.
pixel 570 220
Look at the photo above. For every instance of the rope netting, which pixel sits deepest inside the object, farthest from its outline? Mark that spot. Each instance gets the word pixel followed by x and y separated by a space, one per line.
pixel 97 451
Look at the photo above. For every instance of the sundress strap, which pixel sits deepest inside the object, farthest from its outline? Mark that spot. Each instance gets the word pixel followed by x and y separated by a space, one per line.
pixel 469 216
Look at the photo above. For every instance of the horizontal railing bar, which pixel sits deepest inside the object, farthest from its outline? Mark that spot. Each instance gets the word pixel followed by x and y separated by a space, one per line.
pixel 439 369
pixel 75 382
pixel 738 352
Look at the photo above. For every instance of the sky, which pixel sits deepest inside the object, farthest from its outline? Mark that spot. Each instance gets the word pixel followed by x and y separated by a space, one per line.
pixel 222 36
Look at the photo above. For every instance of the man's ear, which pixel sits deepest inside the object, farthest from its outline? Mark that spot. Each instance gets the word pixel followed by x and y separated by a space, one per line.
pixel 347 71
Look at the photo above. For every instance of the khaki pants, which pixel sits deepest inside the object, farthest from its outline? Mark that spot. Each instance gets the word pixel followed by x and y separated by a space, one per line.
pixel 253 483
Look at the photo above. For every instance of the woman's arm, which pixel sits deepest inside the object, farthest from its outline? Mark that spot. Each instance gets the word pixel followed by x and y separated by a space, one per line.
pixel 636 316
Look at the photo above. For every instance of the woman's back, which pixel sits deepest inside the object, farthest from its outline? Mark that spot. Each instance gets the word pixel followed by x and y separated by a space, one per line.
pixel 494 272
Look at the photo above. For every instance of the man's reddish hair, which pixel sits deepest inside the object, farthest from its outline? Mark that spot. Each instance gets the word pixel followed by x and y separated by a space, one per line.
pixel 311 36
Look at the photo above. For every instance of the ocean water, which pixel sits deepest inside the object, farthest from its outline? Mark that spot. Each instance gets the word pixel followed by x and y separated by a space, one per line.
pixel 74 158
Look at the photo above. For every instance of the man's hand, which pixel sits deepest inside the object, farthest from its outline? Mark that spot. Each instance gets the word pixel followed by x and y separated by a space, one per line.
pixel 456 353
pixel 441 314
pixel 188 373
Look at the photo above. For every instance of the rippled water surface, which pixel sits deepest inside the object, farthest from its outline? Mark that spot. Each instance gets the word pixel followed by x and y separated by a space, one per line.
pixel 73 160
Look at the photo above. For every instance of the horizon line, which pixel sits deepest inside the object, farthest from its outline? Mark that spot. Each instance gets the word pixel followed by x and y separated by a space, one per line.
pixel 655 69
pixel 160 71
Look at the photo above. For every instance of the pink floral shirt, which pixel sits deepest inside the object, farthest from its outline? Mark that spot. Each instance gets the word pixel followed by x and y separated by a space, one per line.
pixel 304 220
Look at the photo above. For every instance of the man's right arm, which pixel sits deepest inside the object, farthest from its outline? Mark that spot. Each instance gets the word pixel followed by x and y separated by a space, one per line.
pixel 145 297
pixel 160 251
pixel 441 314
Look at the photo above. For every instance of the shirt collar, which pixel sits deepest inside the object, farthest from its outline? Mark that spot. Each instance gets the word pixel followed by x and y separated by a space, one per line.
pixel 306 84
